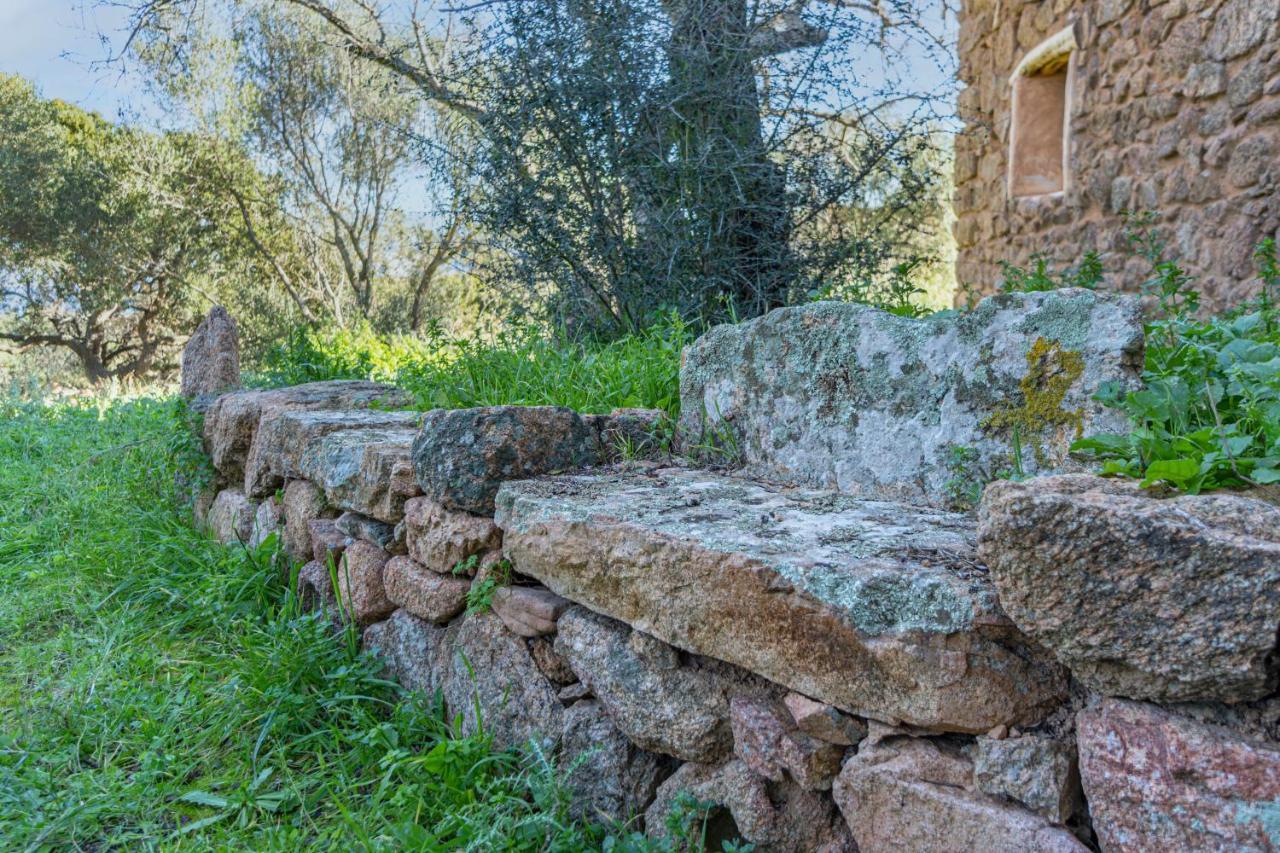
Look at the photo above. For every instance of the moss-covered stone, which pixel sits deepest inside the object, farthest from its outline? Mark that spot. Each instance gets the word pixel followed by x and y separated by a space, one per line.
pixel 1051 374
pixel 849 397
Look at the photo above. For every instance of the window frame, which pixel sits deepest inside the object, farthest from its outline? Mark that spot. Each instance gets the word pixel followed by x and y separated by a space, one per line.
pixel 1048 52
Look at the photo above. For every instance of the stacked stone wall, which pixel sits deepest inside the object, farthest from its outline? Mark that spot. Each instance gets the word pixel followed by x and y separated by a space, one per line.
pixel 1175 109
pixel 1081 664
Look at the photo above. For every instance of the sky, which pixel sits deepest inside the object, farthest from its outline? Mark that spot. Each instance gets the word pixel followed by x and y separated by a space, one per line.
pixel 56 44
pixel 60 45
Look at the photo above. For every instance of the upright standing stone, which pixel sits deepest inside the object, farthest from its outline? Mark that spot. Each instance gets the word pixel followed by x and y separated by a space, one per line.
pixel 211 358
pixel 849 397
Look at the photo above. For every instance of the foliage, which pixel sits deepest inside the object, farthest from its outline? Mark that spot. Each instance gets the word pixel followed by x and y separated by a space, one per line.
pixel 480 594
pixel 1208 414
pixel 715 157
pixel 1088 274
pixel 519 366
pixel 339 136
pixel 158 689
pixel 107 233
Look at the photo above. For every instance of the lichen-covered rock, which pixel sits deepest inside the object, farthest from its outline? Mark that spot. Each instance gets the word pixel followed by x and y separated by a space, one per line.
pixel 359 526
pixel 230 519
pixel 232 420
pixel 211 358
pixel 1172 599
pixel 440 539
pixel 361 588
pixel 528 611
pixel 462 456
pixel 848 397
pixel 424 593
pixel 1035 770
pixel 880 609
pixel 660 705
pixel 609 778
pixel 766 739
pixel 364 470
pixel 914 794
pixel 824 722
pixel 492 668
pixel 327 541
pixel 416 652
pixel 770 815
pixel 266 521
pixel 1157 781
pixel 283 436
pixel 303 502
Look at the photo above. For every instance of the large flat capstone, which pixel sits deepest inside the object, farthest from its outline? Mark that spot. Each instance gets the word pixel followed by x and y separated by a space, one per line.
pixel 876 607
pixel 852 398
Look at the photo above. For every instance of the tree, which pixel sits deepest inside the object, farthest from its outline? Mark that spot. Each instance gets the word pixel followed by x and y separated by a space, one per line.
pixel 642 155
pixel 106 233
pixel 339 134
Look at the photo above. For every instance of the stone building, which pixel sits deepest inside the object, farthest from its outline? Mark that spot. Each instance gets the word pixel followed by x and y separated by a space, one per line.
pixel 1076 111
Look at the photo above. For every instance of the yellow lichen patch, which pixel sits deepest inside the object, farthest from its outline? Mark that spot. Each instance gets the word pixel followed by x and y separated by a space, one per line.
pixel 1051 371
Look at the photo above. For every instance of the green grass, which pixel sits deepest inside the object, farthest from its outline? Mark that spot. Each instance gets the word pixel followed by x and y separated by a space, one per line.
pixel 521 366
pixel 160 691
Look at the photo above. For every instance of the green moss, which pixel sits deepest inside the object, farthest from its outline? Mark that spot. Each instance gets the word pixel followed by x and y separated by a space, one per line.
pixel 1051 371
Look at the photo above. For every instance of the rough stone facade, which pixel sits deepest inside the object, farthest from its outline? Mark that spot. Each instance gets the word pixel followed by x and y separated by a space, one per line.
pixel 1174 108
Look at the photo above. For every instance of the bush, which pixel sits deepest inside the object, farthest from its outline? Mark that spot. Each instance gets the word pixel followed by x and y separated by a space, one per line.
pixel 519 366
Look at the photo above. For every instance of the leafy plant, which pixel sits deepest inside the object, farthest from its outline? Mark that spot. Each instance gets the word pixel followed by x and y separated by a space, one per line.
pixel 1039 277
pixel 1208 414
pixel 480 595
pixel 969 476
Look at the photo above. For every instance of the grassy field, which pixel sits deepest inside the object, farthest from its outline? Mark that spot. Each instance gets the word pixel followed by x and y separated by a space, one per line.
pixel 160 691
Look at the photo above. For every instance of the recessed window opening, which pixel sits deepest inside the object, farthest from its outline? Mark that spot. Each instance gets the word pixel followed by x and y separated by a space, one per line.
pixel 1039 139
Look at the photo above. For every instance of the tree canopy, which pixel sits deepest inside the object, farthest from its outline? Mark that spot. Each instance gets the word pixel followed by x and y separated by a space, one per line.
pixel 108 233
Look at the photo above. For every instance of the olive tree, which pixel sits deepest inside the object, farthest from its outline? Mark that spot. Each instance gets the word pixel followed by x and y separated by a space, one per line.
pixel 108 234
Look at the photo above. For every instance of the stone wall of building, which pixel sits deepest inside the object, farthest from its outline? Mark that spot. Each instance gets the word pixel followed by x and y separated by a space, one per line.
pixel 1175 109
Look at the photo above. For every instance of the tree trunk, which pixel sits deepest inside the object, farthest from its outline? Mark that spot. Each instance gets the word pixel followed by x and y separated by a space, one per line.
pixel 745 217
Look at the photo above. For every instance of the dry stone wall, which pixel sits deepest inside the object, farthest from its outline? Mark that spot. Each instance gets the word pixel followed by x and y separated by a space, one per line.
pixel 1080 664
pixel 1175 108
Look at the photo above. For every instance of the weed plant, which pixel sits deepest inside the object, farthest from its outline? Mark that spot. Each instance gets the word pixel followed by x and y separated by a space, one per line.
pixel 1208 414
